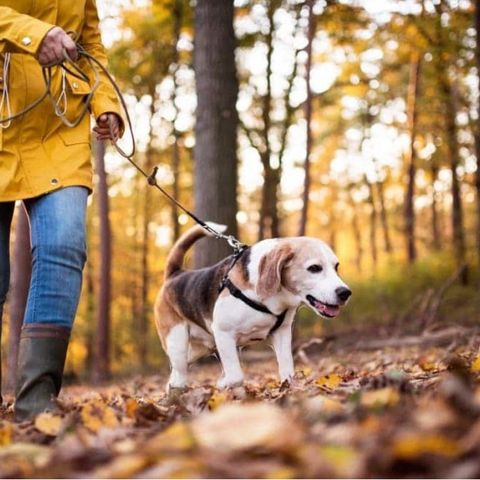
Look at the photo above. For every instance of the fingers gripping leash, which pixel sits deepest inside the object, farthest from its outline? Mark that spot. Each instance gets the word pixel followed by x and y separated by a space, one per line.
pixel 59 105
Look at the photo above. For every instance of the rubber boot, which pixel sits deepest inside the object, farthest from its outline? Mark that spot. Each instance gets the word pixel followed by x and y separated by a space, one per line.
pixel 41 359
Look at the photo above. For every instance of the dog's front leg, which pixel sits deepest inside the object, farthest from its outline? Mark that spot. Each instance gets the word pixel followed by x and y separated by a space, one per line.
pixel 227 349
pixel 282 344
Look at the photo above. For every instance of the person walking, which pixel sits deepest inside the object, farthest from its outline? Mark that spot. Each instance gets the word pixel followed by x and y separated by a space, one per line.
pixel 47 165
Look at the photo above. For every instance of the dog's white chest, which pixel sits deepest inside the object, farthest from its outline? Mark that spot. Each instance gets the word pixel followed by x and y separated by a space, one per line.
pixel 245 323
pixel 255 333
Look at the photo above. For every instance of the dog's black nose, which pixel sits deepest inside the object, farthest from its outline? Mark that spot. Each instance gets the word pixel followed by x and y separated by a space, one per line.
pixel 343 293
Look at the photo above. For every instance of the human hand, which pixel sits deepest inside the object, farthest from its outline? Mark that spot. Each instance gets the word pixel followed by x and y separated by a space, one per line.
pixel 102 130
pixel 52 47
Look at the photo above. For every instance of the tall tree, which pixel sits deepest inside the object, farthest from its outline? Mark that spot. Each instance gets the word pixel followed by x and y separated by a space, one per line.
pixel 102 350
pixel 308 118
pixel 448 96
pixel 477 129
pixel 216 126
pixel 412 112
pixel 178 8
pixel 268 225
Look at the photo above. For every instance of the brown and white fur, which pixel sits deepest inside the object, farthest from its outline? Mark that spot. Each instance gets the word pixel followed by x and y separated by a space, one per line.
pixel 193 319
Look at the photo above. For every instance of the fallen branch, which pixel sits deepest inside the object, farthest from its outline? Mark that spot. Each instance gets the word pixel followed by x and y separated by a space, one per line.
pixel 427 339
pixel 431 311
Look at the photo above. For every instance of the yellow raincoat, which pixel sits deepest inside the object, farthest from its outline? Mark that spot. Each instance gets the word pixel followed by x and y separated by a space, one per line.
pixel 38 153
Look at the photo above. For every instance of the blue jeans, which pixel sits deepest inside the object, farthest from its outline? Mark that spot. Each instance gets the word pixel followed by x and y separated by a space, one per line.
pixel 57 229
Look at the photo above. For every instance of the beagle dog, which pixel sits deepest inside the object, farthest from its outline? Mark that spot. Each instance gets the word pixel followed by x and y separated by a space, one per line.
pixel 252 296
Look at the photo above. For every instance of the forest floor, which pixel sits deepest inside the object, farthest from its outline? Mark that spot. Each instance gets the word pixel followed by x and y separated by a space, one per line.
pixel 360 406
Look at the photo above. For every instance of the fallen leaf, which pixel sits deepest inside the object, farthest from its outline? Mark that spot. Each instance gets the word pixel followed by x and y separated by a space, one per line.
pixel 475 367
pixel 236 427
pixel 344 461
pixel 216 400
pixel 6 433
pixel 131 406
pixel 415 445
pixel 48 423
pixel 331 381
pixel 428 362
pixel 97 414
pixel 385 397
pixel 176 438
pixel 323 405
pixel 126 466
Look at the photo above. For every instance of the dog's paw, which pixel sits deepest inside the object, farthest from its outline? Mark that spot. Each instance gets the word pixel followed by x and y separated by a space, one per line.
pixel 225 382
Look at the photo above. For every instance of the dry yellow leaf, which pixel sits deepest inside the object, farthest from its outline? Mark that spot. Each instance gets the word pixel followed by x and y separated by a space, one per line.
pixel 216 400
pixel 236 427
pixel 320 405
pixel 344 461
pixel 6 433
pixel 282 472
pixel 176 438
pixel 414 445
pixel 331 381
pixel 131 406
pixel 48 423
pixel 428 362
pixel 96 415
pixel 305 371
pixel 475 367
pixel 385 397
pixel 126 466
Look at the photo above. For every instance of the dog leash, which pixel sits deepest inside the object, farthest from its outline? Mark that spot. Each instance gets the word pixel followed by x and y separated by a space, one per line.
pixel 234 243
pixel 68 65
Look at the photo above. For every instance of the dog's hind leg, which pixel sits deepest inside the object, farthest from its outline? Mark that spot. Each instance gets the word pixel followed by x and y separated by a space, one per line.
pixel 176 344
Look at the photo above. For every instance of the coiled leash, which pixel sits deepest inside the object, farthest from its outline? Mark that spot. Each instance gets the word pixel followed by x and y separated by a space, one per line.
pixel 59 105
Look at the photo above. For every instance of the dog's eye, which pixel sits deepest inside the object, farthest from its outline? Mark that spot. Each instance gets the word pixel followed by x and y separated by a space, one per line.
pixel 336 267
pixel 315 268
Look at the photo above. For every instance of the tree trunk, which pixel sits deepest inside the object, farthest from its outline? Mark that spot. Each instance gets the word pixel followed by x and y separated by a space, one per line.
pixel 436 231
pixel 409 212
pixel 90 318
pixel 21 273
pixel 308 120
pixel 147 218
pixel 268 211
pixel 447 93
pixel 216 126
pixel 177 24
pixel 145 308
pixel 383 218
pixel 373 222
pixel 453 157
pixel 357 233
pixel 102 350
pixel 477 127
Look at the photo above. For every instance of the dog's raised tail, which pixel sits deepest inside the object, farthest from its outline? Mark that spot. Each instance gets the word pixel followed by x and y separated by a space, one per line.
pixel 177 254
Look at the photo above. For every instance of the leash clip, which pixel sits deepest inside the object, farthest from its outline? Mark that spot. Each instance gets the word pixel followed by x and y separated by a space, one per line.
pixel 235 244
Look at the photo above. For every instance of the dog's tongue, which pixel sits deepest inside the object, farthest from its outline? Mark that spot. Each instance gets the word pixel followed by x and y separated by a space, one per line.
pixel 330 310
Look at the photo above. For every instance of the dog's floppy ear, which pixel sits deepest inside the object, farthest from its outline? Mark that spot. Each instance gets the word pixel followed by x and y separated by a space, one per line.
pixel 270 270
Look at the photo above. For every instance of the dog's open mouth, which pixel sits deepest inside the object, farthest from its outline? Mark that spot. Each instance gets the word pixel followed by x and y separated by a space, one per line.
pixel 323 309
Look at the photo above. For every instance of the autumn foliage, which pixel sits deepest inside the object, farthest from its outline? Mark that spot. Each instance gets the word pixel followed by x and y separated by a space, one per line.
pixel 365 413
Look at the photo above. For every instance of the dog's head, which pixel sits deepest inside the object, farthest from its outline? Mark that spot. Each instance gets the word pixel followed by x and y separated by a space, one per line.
pixel 307 269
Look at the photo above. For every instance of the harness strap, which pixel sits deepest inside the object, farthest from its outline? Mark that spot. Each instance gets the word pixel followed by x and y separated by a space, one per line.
pixel 237 293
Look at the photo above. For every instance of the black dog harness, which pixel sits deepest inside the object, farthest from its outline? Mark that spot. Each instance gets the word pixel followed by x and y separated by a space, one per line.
pixel 237 293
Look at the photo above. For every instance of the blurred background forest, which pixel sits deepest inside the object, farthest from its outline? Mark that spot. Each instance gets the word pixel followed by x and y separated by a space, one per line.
pixel 353 121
